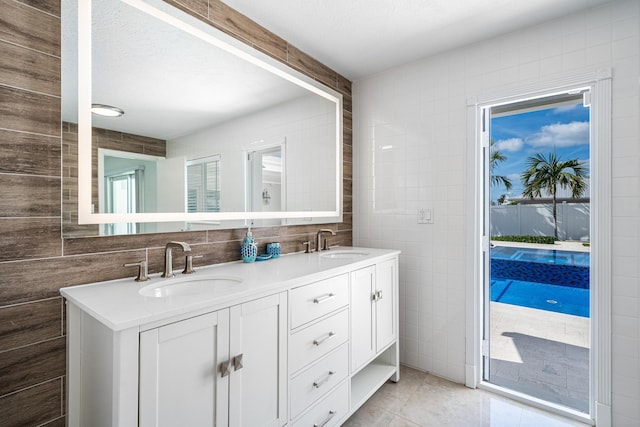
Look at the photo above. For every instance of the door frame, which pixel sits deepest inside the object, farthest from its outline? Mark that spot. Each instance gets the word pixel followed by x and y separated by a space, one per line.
pixel 599 82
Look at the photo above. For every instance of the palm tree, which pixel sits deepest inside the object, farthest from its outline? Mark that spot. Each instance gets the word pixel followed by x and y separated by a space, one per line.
pixel 547 174
pixel 496 158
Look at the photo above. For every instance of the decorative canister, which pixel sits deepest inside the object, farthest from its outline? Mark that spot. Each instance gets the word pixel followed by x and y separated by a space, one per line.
pixel 273 249
pixel 248 249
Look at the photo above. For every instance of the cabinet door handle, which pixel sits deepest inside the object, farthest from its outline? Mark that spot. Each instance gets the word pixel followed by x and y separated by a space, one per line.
pixel 323 298
pixel 326 420
pixel 379 295
pixel 318 383
pixel 321 340
pixel 225 368
pixel 374 297
pixel 237 362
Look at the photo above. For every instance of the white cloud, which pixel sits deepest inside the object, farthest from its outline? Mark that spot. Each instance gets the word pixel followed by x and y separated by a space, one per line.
pixel 513 145
pixel 561 135
pixel 565 108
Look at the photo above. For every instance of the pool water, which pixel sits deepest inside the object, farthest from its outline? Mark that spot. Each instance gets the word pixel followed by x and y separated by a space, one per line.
pixel 545 256
pixel 559 299
pixel 543 279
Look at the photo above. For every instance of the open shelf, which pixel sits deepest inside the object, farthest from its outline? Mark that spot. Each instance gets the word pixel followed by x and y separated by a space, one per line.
pixel 366 382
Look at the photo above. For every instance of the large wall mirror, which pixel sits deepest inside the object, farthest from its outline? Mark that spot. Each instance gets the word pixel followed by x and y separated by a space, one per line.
pixel 214 133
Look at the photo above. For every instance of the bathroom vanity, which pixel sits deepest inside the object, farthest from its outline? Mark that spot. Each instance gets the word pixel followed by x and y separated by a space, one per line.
pixel 304 339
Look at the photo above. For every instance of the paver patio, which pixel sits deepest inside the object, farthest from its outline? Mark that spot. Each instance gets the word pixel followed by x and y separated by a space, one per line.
pixel 541 353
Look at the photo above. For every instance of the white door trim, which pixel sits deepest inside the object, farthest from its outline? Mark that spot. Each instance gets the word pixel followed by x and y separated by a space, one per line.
pixel 600 83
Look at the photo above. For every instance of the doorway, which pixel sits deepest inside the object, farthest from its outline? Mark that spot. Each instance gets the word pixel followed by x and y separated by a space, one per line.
pixel 536 292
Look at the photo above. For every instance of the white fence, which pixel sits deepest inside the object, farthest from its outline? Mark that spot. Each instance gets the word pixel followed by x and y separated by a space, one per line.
pixel 537 220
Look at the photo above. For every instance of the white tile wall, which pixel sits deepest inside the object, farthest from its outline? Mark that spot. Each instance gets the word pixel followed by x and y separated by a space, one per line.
pixel 410 151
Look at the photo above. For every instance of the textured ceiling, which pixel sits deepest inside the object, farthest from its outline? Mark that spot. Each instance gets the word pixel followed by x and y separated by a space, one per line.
pixel 168 82
pixel 363 37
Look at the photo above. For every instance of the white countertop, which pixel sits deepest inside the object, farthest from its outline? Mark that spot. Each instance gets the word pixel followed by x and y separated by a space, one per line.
pixel 119 305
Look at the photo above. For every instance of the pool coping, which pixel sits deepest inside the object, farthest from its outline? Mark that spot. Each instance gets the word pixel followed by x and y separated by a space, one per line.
pixel 570 246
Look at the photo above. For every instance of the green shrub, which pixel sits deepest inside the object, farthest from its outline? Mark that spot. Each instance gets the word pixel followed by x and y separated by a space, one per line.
pixel 549 240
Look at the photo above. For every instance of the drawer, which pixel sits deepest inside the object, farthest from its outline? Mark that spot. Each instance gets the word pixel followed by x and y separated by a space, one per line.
pixel 314 341
pixel 317 299
pixel 313 383
pixel 330 411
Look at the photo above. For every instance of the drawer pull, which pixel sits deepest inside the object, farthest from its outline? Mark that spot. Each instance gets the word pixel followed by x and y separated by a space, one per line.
pixel 320 341
pixel 318 383
pixel 237 362
pixel 225 368
pixel 326 420
pixel 323 298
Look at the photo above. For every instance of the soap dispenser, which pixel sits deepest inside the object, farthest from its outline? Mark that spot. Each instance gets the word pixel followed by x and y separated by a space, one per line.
pixel 248 249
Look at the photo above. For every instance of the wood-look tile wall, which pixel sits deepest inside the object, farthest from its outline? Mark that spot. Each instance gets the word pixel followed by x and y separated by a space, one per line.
pixel 101 138
pixel 35 262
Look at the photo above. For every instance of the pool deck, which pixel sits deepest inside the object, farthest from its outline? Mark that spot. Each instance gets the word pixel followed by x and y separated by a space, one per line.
pixel 541 353
pixel 558 246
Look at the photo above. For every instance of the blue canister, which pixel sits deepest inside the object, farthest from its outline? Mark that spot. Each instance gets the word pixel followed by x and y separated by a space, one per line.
pixel 248 249
pixel 273 249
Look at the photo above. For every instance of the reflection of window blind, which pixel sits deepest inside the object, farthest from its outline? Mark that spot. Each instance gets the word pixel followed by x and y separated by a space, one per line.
pixel 203 185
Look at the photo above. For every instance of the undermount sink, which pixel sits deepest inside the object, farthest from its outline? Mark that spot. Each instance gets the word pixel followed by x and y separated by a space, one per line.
pixel 343 254
pixel 181 286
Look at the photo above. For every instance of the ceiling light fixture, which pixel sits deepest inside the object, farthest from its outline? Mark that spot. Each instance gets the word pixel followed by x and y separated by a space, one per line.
pixel 106 110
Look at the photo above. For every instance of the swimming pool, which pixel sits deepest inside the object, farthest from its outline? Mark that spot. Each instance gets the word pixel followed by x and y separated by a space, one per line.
pixel 546 256
pixel 559 299
pixel 539 278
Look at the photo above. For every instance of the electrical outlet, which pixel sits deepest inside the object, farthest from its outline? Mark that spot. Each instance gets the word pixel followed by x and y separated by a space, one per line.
pixel 425 216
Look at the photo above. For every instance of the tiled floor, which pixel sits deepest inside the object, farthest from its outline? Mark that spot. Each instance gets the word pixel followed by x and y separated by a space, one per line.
pixel 420 399
pixel 541 353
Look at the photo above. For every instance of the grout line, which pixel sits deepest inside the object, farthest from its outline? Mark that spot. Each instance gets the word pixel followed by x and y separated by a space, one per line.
pixel 29 302
pixel 31 91
pixel 31 344
pixel 32 386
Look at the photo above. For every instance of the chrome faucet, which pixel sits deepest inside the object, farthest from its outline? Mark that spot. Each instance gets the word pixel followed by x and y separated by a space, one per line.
pixel 168 256
pixel 319 245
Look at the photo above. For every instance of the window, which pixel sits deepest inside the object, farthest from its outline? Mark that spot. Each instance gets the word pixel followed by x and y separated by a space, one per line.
pixel 203 184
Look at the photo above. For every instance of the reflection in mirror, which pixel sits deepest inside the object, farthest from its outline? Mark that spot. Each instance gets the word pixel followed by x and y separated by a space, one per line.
pixel 127 183
pixel 200 109
pixel 266 181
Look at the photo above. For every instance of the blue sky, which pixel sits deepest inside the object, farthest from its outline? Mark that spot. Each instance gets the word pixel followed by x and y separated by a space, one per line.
pixel 520 136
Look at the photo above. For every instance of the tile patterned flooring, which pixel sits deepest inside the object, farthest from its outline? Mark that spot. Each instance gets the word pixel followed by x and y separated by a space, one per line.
pixel 420 399
pixel 541 353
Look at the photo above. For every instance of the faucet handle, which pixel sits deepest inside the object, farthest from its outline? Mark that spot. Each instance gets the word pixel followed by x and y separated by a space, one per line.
pixel 143 270
pixel 188 264
pixel 307 247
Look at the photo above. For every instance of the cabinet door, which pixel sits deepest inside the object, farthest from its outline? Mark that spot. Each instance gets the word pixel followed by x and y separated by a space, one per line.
pixel 385 303
pixel 259 360
pixel 180 379
pixel 362 315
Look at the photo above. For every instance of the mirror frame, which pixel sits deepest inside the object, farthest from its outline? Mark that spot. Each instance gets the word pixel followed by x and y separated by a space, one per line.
pixel 223 41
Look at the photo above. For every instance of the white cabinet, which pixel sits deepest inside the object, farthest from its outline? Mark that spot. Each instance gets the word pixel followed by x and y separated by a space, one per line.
pixel 222 368
pixel 363 345
pixel 386 304
pixel 308 350
pixel 180 383
pixel 373 311
pixel 258 386
pixel 374 324
pixel 319 352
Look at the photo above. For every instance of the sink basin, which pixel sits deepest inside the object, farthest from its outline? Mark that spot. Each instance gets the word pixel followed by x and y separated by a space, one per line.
pixel 343 254
pixel 181 286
